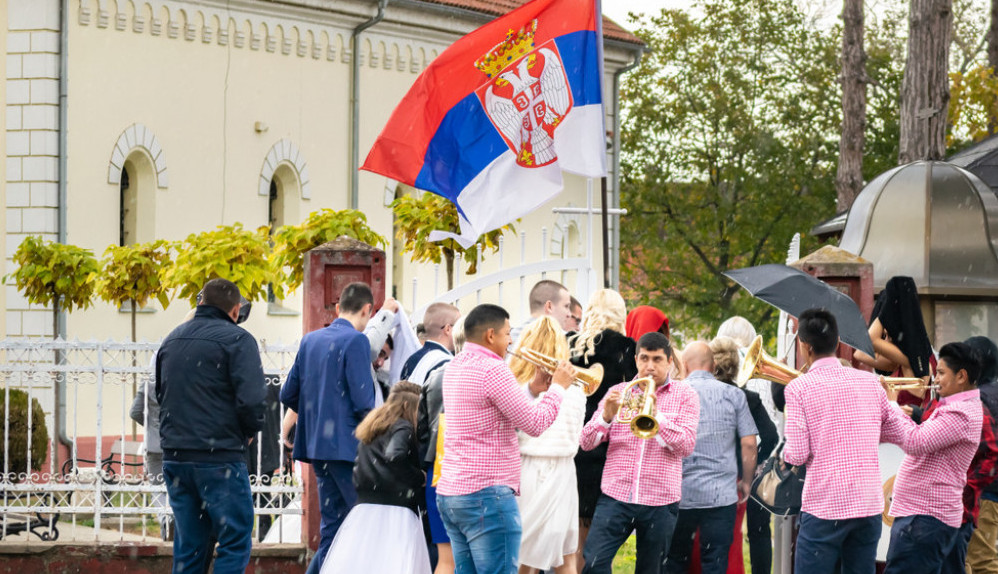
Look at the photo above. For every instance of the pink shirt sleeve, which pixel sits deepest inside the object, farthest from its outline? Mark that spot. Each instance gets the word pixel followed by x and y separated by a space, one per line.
pixel 797 448
pixel 506 394
pixel 596 430
pixel 678 431
pixel 940 431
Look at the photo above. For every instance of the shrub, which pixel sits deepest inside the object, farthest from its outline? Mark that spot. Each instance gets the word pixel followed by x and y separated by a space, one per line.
pixel 17 427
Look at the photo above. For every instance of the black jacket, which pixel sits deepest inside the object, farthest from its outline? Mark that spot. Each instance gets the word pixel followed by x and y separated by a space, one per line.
pixel 768 435
pixel 387 470
pixel 616 353
pixel 209 383
pixel 431 404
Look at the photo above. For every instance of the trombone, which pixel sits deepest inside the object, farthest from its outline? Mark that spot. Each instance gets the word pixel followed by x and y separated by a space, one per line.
pixel 639 409
pixel 588 379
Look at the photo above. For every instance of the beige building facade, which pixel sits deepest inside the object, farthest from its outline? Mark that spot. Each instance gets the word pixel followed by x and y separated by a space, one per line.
pixel 132 120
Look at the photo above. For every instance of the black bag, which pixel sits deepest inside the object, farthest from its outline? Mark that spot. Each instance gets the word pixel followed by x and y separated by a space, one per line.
pixel 779 487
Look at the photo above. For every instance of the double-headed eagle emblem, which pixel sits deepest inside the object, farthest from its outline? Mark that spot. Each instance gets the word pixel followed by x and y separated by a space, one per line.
pixel 527 95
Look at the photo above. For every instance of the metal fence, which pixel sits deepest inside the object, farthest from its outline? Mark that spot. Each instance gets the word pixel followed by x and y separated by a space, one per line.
pixel 100 488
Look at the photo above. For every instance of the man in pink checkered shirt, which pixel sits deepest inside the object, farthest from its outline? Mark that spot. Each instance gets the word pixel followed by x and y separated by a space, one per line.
pixel 480 472
pixel 928 490
pixel 836 417
pixel 642 480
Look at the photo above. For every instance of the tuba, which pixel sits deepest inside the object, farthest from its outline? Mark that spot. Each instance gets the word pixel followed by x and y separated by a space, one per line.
pixel 589 379
pixel 758 365
pixel 639 409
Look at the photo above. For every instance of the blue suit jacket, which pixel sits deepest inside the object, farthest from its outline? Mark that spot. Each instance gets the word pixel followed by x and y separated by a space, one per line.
pixel 331 389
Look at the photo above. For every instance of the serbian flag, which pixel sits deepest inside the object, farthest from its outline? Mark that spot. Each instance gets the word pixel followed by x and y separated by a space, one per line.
pixel 495 119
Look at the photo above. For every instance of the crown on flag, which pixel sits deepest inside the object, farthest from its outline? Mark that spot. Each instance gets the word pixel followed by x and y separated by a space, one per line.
pixel 515 46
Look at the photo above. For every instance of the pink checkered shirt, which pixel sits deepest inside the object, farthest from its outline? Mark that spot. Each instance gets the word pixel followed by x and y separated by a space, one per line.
pixel 836 417
pixel 648 472
pixel 484 406
pixel 938 454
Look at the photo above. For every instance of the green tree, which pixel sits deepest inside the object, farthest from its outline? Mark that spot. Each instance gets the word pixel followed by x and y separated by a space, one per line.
pixel 57 273
pixel 416 216
pixel 133 274
pixel 228 252
pixel 729 147
pixel 291 242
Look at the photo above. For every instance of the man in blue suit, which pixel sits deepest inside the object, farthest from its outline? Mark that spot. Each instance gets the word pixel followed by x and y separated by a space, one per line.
pixel 331 389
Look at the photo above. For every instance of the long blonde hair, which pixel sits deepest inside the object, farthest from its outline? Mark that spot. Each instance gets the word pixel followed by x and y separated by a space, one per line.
pixel 545 336
pixel 402 403
pixel 606 310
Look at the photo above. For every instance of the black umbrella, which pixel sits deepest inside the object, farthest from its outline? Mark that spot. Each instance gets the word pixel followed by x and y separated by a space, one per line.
pixel 794 291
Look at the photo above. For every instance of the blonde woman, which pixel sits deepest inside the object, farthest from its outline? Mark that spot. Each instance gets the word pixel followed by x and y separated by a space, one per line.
pixel 548 503
pixel 600 339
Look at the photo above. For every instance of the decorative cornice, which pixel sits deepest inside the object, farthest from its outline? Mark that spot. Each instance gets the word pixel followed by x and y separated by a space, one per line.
pixel 259 26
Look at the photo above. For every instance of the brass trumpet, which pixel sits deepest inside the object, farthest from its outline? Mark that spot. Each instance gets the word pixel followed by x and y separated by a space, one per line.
pixel 639 409
pixel 588 379
pixel 758 365
pixel 908 384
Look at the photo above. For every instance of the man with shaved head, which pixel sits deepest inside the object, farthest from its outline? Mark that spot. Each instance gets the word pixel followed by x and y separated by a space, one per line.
pixel 711 486
pixel 438 349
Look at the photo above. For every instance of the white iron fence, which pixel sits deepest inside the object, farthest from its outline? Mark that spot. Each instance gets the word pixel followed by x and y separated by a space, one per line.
pixel 102 490
pixel 509 285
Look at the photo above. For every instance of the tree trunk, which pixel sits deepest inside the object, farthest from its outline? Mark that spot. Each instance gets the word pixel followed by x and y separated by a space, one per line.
pixel 449 266
pixel 925 91
pixel 993 61
pixel 849 178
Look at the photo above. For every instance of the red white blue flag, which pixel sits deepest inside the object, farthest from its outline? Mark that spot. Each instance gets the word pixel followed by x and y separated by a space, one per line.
pixel 495 119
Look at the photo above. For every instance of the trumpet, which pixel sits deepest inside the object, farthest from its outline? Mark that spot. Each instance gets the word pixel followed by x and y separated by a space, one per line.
pixel 639 409
pixel 588 379
pixel 908 384
pixel 758 365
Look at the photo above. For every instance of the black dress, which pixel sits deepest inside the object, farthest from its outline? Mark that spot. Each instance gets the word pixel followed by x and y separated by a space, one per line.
pixel 615 352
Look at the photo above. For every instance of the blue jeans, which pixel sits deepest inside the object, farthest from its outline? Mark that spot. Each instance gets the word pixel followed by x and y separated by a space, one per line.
pixel 484 530
pixel 716 526
pixel 821 544
pixel 613 522
pixel 919 544
pixel 956 561
pixel 337 495
pixel 210 501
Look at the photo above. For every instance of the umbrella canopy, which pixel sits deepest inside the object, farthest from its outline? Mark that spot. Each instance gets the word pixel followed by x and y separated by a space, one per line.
pixel 794 291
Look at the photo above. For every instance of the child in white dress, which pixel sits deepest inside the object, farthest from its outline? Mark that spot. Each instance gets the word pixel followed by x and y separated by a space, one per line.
pixel 383 533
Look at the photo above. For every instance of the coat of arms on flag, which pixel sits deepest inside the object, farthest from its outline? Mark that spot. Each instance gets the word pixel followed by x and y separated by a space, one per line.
pixel 493 122
pixel 527 96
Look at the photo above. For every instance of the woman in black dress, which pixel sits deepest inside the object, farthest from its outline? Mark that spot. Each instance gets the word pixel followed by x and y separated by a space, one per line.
pixel 600 340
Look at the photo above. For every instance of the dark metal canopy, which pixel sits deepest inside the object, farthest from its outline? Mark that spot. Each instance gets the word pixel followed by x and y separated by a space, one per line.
pixel 932 221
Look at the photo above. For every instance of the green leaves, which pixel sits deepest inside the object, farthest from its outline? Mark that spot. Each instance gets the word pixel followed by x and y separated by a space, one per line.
pixel 134 273
pixel 49 271
pixel 728 148
pixel 291 242
pixel 416 216
pixel 228 252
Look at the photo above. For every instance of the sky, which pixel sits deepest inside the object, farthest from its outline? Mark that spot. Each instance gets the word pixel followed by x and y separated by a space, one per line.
pixel 824 10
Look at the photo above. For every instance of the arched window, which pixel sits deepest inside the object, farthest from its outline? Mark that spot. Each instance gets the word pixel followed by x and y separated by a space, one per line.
pixel 137 200
pixel 282 203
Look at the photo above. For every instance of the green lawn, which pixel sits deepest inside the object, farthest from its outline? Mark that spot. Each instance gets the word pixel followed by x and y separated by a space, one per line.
pixel 624 562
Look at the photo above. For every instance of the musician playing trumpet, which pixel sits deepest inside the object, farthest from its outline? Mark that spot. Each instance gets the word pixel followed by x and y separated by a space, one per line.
pixel 642 480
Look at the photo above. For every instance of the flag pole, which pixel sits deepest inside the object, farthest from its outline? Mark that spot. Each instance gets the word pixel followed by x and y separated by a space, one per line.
pixel 605 215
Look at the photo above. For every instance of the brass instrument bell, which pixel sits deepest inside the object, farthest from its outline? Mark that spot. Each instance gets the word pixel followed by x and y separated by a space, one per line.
pixel 639 409
pixel 758 365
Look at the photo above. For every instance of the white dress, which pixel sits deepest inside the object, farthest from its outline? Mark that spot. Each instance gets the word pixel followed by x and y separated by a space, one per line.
pixel 549 498
pixel 381 539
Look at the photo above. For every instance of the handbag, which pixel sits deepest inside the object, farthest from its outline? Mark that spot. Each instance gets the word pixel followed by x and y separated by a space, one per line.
pixel 779 487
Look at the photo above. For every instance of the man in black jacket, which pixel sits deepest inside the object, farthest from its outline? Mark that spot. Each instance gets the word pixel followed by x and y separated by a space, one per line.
pixel 210 387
